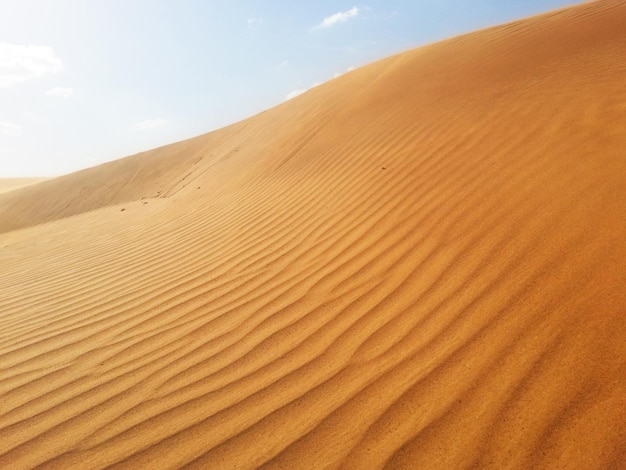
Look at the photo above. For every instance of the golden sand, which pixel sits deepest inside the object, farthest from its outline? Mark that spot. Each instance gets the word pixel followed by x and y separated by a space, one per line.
pixel 420 264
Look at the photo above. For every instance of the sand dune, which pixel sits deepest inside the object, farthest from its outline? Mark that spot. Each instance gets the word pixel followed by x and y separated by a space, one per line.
pixel 420 264
pixel 10 184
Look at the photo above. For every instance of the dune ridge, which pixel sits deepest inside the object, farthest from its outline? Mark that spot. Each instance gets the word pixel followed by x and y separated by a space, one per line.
pixel 11 184
pixel 420 264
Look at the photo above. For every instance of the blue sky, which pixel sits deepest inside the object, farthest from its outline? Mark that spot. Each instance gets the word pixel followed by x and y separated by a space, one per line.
pixel 87 81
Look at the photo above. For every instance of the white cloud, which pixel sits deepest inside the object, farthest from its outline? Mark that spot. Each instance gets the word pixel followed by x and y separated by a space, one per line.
pixel 298 92
pixel 349 69
pixel 9 129
pixel 340 17
pixel 151 124
pixel 20 63
pixel 252 22
pixel 60 92
pixel 284 63
pixel 295 93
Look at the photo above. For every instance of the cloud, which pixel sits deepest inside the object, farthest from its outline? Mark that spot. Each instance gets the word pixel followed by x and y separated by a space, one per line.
pixel 299 91
pixel 349 69
pixel 252 22
pixel 151 124
pixel 295 93
pixel 284 63
pixel 20 63
pixel 340 17
pixel 60 92
pixel 9 129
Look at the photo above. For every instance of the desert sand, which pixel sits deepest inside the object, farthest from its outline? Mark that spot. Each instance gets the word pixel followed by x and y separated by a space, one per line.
pixel 9 184
pixel 420 264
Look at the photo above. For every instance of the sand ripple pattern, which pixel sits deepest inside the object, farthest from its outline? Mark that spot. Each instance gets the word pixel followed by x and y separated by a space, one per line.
pixel 421 264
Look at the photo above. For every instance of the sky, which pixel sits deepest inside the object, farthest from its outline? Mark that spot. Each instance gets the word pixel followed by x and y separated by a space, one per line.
pixel 87 81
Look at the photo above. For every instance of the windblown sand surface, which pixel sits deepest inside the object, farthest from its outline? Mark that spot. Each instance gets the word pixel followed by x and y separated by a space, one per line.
pixel 421 264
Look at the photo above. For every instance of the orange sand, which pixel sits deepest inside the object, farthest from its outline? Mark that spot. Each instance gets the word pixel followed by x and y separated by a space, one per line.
pixel 421 264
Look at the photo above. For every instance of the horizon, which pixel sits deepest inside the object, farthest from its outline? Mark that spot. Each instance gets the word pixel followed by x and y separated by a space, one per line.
pixel 82 84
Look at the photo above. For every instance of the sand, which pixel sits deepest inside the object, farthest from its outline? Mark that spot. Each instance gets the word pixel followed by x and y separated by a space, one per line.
pixel 420 264
pixel 9 184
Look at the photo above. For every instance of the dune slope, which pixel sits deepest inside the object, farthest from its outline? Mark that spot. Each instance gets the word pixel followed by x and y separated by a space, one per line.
pixel 420 264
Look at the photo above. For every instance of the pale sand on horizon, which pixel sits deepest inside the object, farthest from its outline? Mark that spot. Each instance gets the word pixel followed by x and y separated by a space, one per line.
pixel 10 184
pixel 420 264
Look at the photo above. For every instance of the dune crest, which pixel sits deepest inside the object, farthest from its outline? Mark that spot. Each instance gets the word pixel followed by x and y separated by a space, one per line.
pixel 11 184
pixel 420 264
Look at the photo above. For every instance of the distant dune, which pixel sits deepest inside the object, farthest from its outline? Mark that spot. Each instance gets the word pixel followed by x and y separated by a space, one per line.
pixel 9 184
pixel 420 264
